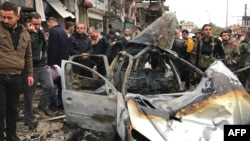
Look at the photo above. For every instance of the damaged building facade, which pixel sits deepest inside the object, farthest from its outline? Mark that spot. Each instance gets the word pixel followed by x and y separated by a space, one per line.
pixel 132 13
pixel 104 15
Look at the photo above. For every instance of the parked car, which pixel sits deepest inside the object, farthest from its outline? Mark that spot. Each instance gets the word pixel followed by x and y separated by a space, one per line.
pixel 140 98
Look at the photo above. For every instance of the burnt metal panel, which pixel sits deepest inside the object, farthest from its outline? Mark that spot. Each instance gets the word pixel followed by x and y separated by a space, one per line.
pixel 160 33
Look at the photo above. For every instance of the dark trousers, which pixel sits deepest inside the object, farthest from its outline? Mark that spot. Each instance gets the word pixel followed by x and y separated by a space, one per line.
pixel 10 86
pixel 185 76
pixel 81 71
pixel 187 72
pixel 244 78
pixel 59 91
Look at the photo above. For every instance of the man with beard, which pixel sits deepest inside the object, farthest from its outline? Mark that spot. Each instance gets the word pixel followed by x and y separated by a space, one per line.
pixel 228 46
pixel 100 46
pixel 242 52
pixel 209 49
pixel 125 39
pixel 16 55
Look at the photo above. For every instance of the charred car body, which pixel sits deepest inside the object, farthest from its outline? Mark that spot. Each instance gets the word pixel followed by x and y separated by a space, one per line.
pixel 147 103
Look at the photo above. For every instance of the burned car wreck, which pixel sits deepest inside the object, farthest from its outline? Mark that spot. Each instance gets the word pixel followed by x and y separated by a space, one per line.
pixel 141 103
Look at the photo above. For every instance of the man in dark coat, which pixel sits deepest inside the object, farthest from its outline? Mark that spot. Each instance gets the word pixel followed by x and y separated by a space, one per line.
pixel 100 46
pixel 80 44
pixel 58 43
pixel 180 49
pixel 124 40
pixel 115 47
pixel 41 72
pixel 58 50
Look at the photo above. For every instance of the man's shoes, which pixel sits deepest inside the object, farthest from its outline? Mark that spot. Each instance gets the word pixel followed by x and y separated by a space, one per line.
pixel 31 125
pixel 12 137
pixel 47 111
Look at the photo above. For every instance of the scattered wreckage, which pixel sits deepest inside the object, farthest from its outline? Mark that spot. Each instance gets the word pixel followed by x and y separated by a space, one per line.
pixel 148 103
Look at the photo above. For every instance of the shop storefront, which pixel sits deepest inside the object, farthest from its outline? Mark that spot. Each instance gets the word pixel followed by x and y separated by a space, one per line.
pixel 46 8
pixel 97 13
pixel 96 20
pixel 55 8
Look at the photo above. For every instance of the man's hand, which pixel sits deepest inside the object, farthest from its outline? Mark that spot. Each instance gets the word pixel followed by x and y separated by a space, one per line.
pixel 53 67
pixel 112 44
pixel 85 56
pixel 30 80
pixel 31 28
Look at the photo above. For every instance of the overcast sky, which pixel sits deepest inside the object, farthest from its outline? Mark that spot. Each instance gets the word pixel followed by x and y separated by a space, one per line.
pixel 201 11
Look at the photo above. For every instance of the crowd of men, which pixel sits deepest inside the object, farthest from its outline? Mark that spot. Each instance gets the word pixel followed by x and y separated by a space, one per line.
pixel 29 54
pixel 204 48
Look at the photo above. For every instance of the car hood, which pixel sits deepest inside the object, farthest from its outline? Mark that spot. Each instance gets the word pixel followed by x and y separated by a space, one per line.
pixel 160 33
pixel 219 99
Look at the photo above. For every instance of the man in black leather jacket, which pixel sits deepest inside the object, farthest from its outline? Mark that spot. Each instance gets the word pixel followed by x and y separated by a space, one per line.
pixel 40 70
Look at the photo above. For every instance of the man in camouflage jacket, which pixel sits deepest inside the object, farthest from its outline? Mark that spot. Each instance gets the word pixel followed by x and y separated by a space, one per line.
pixel 242 52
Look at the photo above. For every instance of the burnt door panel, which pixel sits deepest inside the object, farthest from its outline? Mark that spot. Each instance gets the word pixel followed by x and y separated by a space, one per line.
pixel 90 101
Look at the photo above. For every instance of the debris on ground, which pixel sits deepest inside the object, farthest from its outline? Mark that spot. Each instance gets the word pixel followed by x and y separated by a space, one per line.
pixel 52 128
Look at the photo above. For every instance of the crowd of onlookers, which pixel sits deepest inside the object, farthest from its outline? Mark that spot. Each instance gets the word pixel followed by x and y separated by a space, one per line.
pixel 204 48
pixel 30 53
pixel 59 44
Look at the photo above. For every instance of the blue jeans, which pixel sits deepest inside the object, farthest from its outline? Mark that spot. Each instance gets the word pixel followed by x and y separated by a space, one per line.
pixel 10 86
pixel 56 99
pixel 43 76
